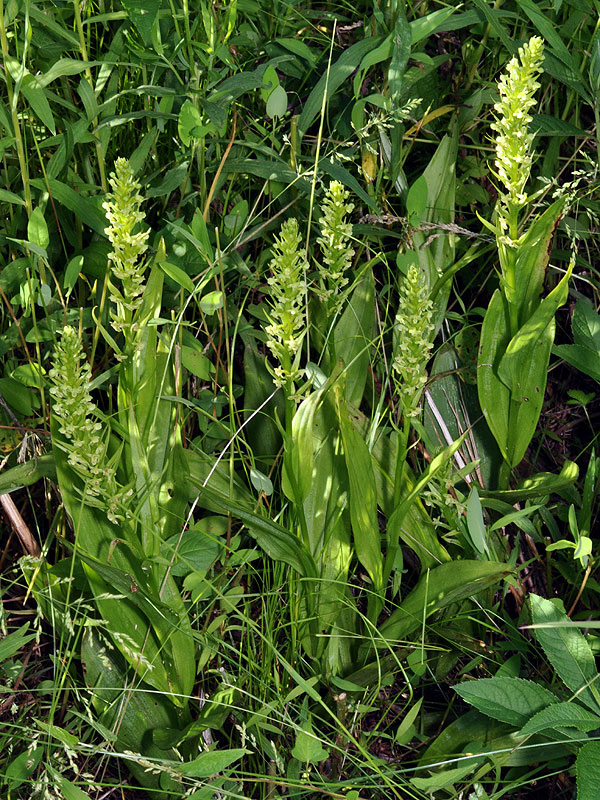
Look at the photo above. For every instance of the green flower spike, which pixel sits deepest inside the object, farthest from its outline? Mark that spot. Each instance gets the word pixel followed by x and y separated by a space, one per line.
pixel 335 245
pixel 288 292
pixel 517 87
pixel 123 214
pixel 413 330
pixel 77 417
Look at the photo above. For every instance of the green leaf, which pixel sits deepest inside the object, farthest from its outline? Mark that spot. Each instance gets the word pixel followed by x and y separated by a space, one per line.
pixel 588 771
pixel 561 715
pixel 83 207
pixel 12 643
pixel 494 395
pixel 211 302
pixel 178 275
pixel 582 358
pixel 68 789
pixel 197 548
pixel 438 588
pixel 37 230
pixel 538 485
pixel 196 362
pixel 567 650
pixel 276 541
pixel 511 700
pixel 143 14
pixel 208 764
pixel 36 97
pixel 22 767
pixel 475 523
pixel 352 337
pixel 308 748
pixel 277 103
pixel 362 497
pixel 333 79
pixel 28 473
pixel 189 123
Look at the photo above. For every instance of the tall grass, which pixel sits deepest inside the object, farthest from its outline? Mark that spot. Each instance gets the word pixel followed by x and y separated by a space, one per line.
pixel 287 438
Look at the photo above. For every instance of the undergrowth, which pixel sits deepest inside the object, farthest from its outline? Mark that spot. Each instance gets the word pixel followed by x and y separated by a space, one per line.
pixel 298 404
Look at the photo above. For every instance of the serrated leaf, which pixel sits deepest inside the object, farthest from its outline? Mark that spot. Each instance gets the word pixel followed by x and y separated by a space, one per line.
pixel 567 650
pixel 588 771
pixel 567 715
pixel 512 700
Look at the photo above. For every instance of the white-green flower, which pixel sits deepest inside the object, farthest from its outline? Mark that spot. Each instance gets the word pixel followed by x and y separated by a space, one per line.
pixel 517 87
pixel 413 331
pixel 335 245
pixel 126 284
pixel 78 422
pixel 288 294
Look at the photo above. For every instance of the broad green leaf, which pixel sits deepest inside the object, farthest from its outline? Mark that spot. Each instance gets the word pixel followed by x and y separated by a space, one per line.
pixel 134 720
pixel 299 457
pixel 524 369
pixel 362 497
pixel 308 748
pixel 538 485
pixel 12 643
pixel 208 764
pixel 511 700
pixel 189 121
pixel 22 767
pixel 532 256
pixel 439 588
pixel 494 395
pixel 83 207
pixel 37 230
pixel 211 302
pixel 58 733
pixel 197 548
pixel 352 337
pixel 567 650
pixel 424 26
pixel 582 358
pixel 143 13
pixel 7 196
pixel 65 66
pixel 277 103
pixel 451 406
pixel 588 771
pixel 261 431
pixel 561 715
pixel 586 324
pixel 196 362
pixel 400 55
pixel 28 473
pixel 36 97
pixel 178 275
